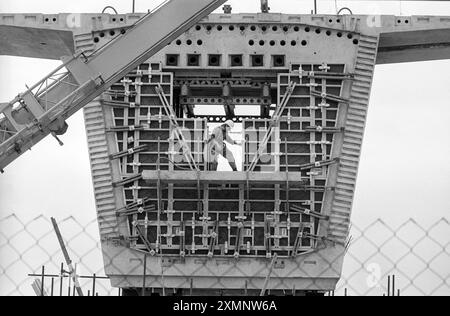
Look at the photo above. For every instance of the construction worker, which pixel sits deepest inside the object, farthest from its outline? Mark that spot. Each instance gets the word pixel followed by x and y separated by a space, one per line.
pixel 217 146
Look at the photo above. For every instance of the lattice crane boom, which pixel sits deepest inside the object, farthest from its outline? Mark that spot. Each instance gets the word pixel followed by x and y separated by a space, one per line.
pixel 43 108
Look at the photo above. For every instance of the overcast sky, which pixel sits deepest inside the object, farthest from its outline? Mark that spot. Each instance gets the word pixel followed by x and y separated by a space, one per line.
pixel 405 170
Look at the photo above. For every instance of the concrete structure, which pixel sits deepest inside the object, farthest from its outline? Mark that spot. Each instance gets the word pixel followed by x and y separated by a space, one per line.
pixel 205 232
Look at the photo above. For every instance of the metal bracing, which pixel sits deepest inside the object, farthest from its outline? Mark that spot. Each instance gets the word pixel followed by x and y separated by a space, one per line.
pixel 274 123
pixel 189 214
pixel 178 132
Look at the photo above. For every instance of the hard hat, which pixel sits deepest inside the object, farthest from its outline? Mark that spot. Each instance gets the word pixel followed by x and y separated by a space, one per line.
pixel 230 124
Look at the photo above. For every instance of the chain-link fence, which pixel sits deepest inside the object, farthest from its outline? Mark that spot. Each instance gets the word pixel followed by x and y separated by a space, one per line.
pixel 418 255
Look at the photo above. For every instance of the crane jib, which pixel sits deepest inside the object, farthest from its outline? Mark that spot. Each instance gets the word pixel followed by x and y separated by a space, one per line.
pixel 43 109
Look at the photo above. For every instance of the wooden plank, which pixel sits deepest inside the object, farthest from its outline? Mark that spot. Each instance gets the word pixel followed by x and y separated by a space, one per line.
pixel 67 258
pixel 37 288
pixel 222 177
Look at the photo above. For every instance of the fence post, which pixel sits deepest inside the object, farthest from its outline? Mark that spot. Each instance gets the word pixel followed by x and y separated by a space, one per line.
pixel 42 280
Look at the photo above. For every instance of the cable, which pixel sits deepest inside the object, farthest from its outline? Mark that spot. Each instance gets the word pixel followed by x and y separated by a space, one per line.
pixel 343 9
pixel 110 7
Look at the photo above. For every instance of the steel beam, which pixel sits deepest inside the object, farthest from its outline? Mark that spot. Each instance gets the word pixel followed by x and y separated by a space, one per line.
pixel 218 177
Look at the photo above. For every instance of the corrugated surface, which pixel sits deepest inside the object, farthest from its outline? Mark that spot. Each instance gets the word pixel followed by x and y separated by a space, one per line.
pixel 84 43
pixel 101 170
pixel 353 139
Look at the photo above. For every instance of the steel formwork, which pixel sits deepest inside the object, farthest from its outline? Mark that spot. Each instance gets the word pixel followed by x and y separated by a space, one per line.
pixel 205 237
